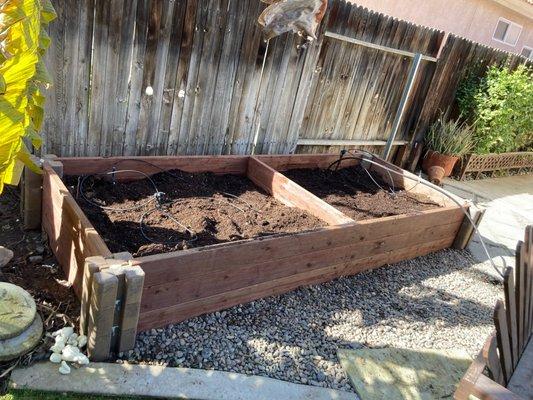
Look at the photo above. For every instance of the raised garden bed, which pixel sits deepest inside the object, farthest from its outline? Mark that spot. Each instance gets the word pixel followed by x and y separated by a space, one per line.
pixel 315 242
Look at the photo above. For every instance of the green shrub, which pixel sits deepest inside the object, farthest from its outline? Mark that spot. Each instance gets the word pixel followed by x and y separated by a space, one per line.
pixel 450 137
pixel 501 108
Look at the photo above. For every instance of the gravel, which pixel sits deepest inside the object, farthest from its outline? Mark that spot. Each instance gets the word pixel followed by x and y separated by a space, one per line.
pixel 443 300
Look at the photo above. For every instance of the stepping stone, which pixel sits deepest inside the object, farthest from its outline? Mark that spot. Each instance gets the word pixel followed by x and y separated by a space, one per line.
pixel 21 327
pixel 23 343
pixel 17 310
pixel 5 256
pixel 398 374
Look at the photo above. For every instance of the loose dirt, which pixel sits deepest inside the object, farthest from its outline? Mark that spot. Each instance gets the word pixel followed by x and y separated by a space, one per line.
pixel 353 192
pixel 196 210
pixel 34 267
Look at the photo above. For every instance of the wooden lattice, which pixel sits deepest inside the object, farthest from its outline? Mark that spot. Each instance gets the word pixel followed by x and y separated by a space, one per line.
pixel 496 162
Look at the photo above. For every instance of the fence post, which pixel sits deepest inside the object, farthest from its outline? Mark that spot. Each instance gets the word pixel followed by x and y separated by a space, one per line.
pixel 466 230
pixel 101 315
pixel 110 304
pixel 31 199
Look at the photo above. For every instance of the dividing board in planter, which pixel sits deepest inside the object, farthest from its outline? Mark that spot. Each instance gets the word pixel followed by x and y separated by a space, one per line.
pixel 122 294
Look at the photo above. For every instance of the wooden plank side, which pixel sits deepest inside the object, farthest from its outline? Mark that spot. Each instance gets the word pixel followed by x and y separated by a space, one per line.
pixel 492 359
pixel 285 162
pixel 247 82
pixel 150 165
pixel 529 262
pixel 502 337
pixel 171 266
pixel 123 15
pixel 528 286
pixel 487 389
pixel 176 313
pixel 72 237
pixel 468 382
pixel 207 282
pixel 228 68
pixel 154 66
pixel 411 182
pixel 510 310
pixel 293 195
pixel 98 113
pixel 136 88
pixel 520 293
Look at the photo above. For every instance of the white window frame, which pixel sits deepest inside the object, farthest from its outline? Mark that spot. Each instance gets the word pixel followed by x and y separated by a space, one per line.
pixel 510 23
pixel 530 54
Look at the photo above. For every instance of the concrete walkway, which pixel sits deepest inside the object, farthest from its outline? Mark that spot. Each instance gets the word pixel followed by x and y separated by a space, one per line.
pixel 509 204
pixel 163 382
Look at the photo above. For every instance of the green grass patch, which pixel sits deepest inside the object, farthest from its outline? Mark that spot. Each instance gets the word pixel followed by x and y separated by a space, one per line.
pixel 35 395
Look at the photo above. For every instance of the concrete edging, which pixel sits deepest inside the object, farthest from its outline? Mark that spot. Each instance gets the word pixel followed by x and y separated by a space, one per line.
pixel 163 382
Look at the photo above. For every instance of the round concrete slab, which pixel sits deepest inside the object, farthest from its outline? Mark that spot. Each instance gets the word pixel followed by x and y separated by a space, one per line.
pixel 21 344
pixel 17 310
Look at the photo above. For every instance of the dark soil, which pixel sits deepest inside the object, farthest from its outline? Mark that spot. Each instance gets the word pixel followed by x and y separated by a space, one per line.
pixel 213 208
pixel 41 276
pixel 352 191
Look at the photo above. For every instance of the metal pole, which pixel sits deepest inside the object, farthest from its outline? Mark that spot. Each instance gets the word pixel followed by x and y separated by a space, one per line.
pixel 403 103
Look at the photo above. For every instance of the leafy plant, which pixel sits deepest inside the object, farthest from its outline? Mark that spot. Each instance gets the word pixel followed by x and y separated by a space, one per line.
pixel 23 42
pixel 450 137
pixel 500 105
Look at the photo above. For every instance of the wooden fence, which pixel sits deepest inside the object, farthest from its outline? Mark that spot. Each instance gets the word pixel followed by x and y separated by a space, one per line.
pixel 218 88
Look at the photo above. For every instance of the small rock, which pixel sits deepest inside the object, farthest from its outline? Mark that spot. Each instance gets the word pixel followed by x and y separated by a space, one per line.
pixel 82 341
pixel 207 353
pixel 5 256
pixel 55 358
pixel 35 259
pixel 67 331
pixel 70 353
pixel 58 347
pixel 64 369
pixel 82 359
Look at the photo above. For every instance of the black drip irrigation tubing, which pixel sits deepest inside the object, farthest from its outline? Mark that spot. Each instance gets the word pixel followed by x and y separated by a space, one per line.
pixel 158 197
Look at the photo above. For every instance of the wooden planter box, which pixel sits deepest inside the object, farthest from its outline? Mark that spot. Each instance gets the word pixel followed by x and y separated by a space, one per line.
pixel 495 162
pixel 183 284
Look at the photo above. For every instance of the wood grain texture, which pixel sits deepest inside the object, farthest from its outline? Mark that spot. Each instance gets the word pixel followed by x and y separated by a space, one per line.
pixel 71 236
pixel 170 266
pixel 218 279
pixel 179 312
pixel 507 354
pixel 229 274
pixel 511 312
pixel 190 276
pixel 502 337
pixel 211 95
pixel 291 194
pixel 151 165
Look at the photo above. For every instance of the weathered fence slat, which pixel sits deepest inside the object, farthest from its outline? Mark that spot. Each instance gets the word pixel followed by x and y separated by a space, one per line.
pixel 215 87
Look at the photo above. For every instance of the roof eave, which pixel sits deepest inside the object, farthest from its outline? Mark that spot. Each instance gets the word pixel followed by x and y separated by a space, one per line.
pixel 520 6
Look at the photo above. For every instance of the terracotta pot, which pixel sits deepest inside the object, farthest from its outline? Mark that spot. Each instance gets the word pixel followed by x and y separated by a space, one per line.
pixel 435 174
pixel 433 158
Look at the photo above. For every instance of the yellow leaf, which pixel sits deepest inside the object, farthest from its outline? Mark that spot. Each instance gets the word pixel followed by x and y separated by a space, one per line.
pixel 23 41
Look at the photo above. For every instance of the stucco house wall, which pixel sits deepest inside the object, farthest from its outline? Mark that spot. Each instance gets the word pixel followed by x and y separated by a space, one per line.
pixel 473 19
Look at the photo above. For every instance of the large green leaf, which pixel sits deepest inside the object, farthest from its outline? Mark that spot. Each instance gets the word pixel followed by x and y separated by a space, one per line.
pixel 23 41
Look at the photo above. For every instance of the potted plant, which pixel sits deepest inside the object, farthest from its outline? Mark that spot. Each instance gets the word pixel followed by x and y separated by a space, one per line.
pixel 446 142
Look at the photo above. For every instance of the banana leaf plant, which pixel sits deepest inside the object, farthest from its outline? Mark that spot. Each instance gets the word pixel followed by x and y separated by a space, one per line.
pixel 23 42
